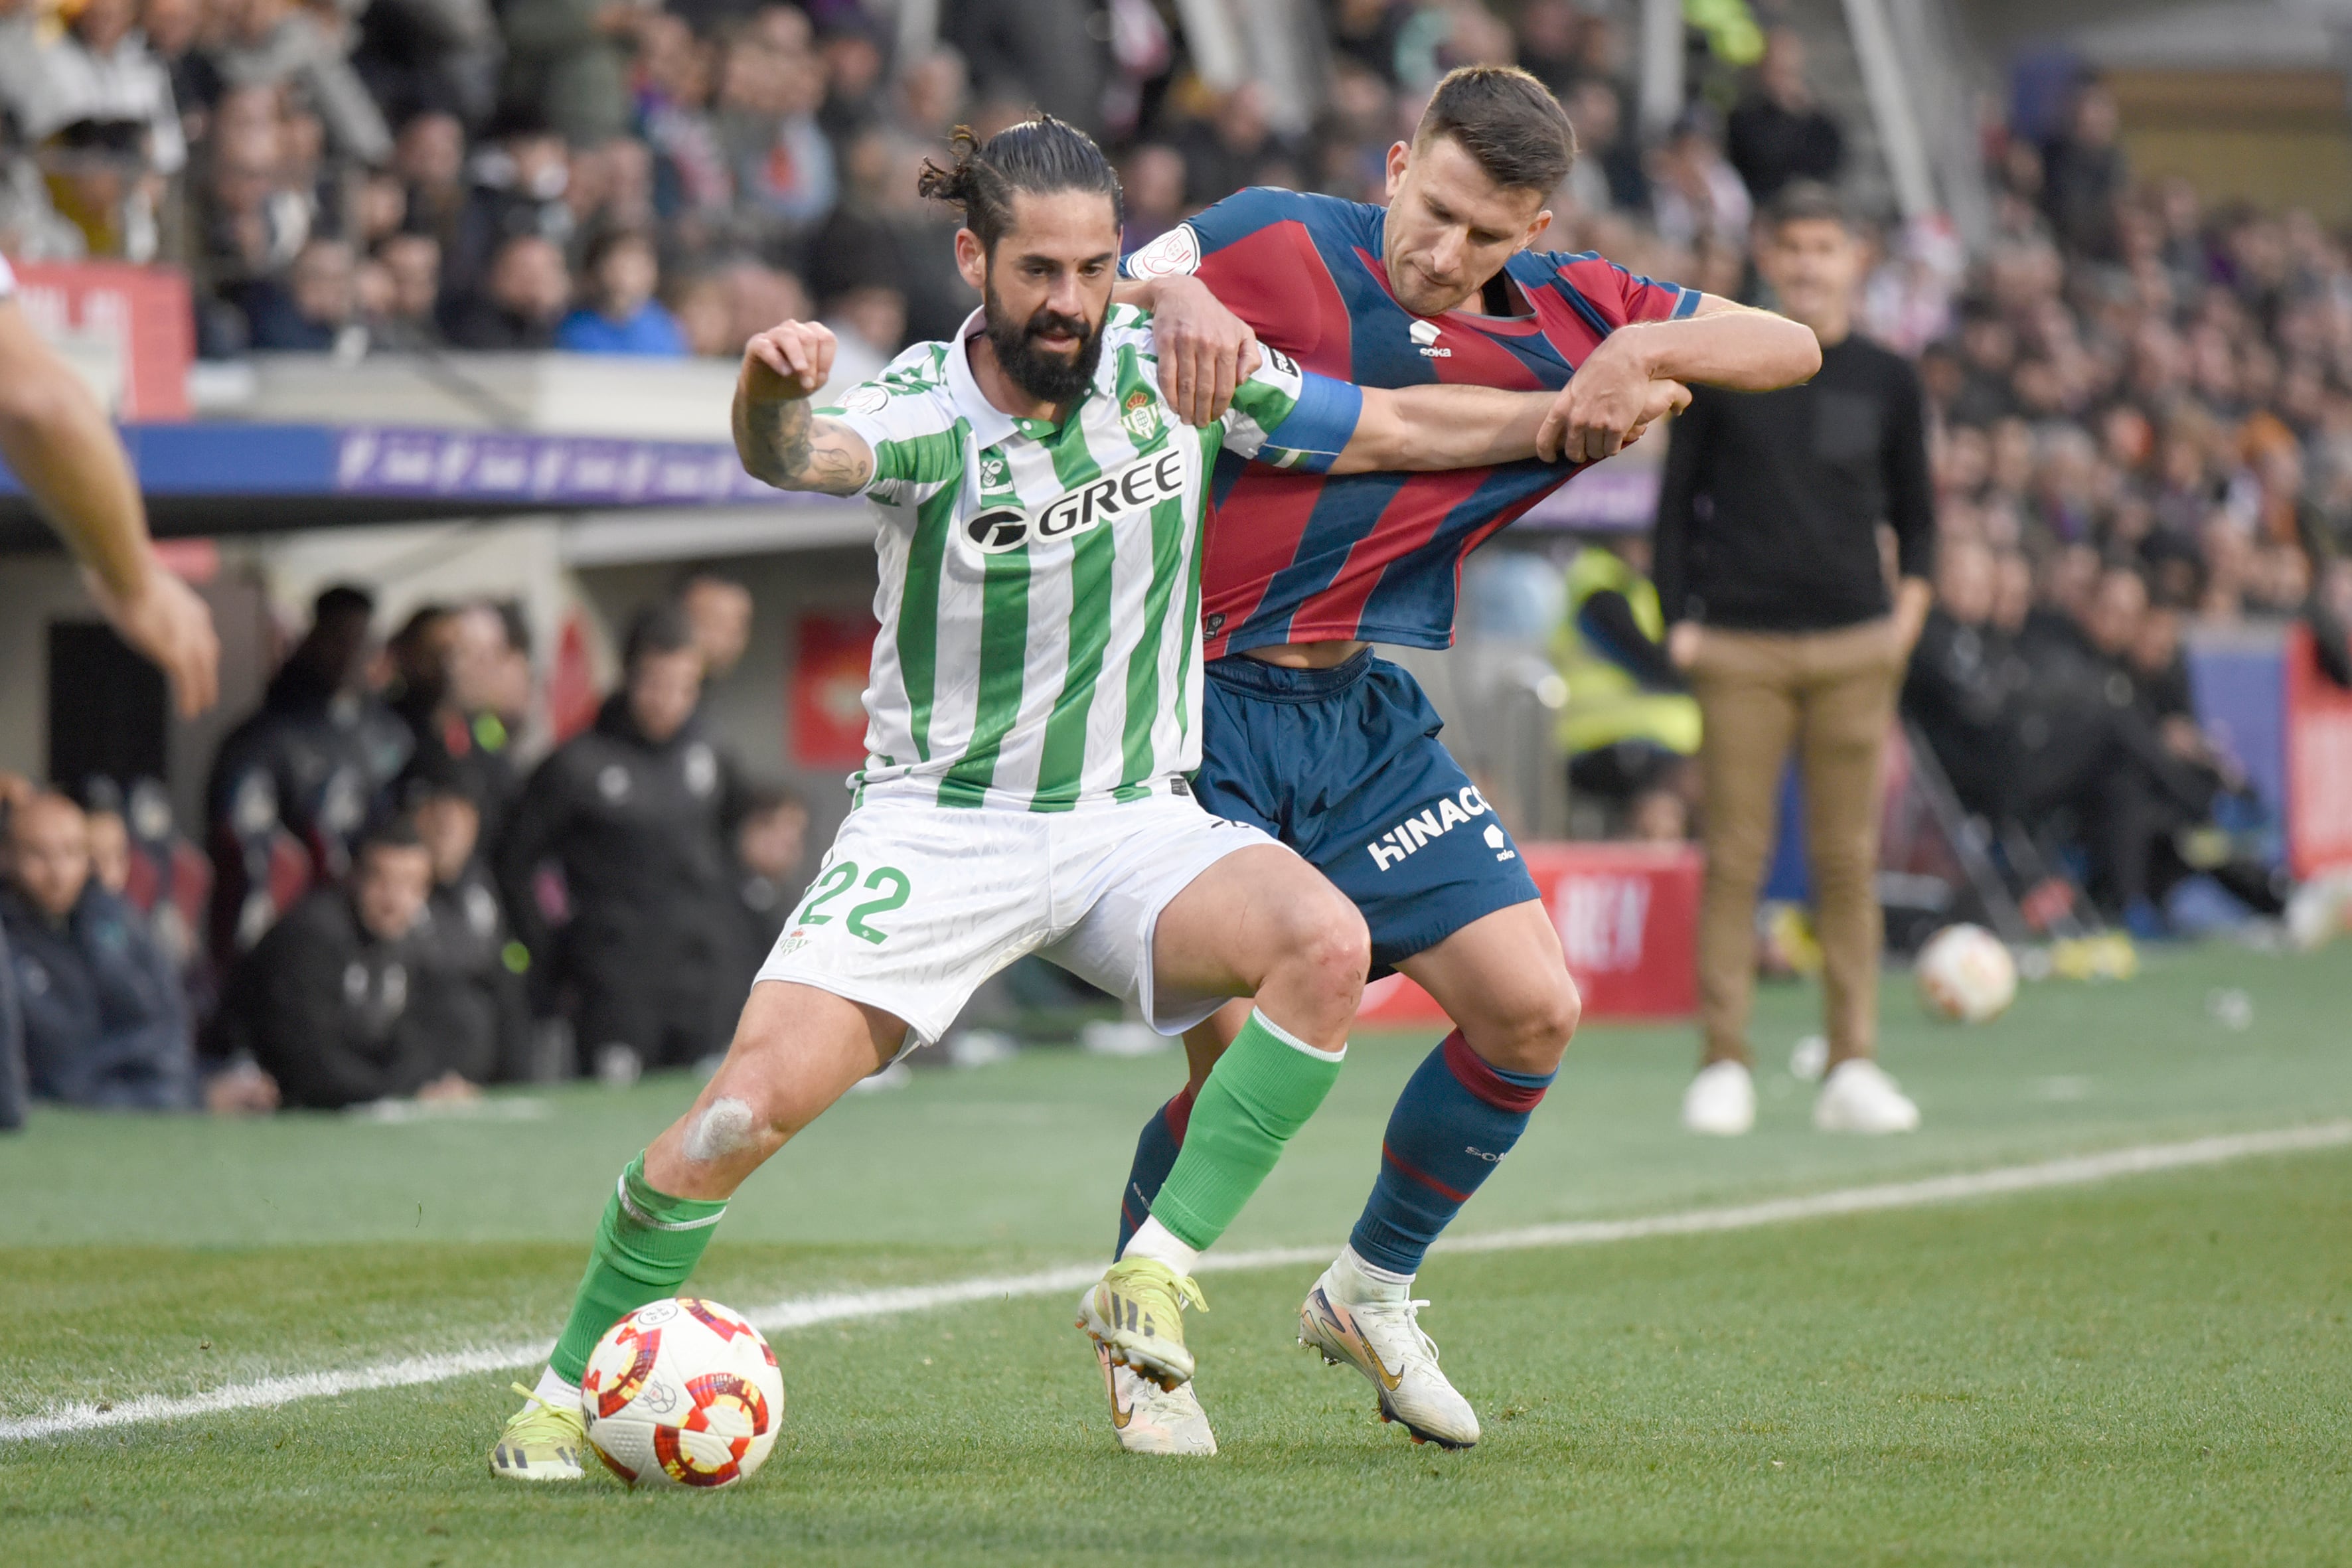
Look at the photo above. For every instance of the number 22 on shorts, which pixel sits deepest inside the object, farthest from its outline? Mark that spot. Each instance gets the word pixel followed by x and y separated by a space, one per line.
pixel 839 878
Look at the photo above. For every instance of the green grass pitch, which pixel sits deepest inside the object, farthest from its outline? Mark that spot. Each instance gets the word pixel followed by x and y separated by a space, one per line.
pixel 2150 1370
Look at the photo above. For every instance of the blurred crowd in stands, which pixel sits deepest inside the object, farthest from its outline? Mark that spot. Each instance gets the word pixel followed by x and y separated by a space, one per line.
pixel 387 907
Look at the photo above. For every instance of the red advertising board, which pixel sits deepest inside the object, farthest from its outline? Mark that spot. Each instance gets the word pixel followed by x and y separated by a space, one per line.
pixel 1627 916
pixel 130 328
pixel 2318 763
pixel 828 721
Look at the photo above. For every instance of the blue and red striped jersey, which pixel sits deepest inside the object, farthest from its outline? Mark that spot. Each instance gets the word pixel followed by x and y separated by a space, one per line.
pixel 1374 557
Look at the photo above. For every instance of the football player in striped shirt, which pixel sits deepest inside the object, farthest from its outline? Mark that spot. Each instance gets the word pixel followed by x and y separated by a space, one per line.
pixel 1308 735
pixel 1032 713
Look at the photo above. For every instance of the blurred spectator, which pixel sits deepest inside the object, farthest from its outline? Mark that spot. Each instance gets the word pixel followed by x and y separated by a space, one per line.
pixel 429 160
pixel 105 1025
pixel 868 324
pixel 519 181
pixel 1695 195
pixel 292 786
pixel 317 308
pixel 412 270
pixel 693 185
pixel 343 1002
pixel 631 814
pixel 771 87
pixel 101 70
pixel 274 42
pixel 2084 172
pixel 521 304
pixel 1367 32
pixel 621 315
pixel 1608 170
pixel 1779 132
pixel 856 56
pixel 718 610
pixel 110 847
pixel 569 59
pixel 1630 729
pixel 1048 53
pixel 770 841
pixel 1234 148
pixel 445 664
pixel 475 954
pixel 416 53
pixel 1153 178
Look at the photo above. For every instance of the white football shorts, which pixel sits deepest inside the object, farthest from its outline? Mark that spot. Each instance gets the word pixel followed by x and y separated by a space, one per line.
pixel 917 904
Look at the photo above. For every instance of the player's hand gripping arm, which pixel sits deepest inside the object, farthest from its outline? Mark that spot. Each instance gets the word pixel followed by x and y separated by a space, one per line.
pixel 780 438
pixel 1422 427
pixel 1205 350
pixel 57 441
pixel 1721 344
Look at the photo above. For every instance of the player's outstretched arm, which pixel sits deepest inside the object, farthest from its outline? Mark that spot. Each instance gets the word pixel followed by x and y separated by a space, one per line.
pixel 1423 428
pixel 1722 344
pixel 57 441
pixel 780 438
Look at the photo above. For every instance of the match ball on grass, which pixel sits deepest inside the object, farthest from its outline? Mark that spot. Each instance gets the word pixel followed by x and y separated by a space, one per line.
pixel 1965 974
pixel 682 1394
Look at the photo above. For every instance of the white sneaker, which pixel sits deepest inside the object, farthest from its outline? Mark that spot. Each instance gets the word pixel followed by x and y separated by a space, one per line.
pixel 1857 1096
pixel 1383 1341
pixel 1149 1419
pixel 1721 1100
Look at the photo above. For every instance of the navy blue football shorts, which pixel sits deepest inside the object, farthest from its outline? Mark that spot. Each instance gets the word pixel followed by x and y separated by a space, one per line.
pixel 1344 766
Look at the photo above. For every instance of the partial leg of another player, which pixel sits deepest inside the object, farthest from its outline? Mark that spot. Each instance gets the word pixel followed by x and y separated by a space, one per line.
pixel 1503 980
pixel 796 1050
pixel 1261 924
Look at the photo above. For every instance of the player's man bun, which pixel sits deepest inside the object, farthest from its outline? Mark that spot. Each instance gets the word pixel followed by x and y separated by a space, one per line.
pixel 1509 123
pixel 1040 156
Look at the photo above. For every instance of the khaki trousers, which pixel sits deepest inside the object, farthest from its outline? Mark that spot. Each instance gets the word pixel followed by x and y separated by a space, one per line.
pixel 1831 695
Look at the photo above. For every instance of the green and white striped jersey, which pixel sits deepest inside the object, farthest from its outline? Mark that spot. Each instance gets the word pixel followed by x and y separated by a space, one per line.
pixel 1039 584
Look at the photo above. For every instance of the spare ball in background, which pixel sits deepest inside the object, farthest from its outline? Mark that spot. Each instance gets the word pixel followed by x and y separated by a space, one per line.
pixel 682 1393
pixel 1965 974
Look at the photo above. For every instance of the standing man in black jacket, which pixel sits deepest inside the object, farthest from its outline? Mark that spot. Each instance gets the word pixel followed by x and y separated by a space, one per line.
pixel 632 812
pixel 1770 573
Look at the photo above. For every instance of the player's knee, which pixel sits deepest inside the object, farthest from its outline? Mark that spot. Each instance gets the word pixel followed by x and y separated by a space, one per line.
pixel 1534 1030
pixel 1320 935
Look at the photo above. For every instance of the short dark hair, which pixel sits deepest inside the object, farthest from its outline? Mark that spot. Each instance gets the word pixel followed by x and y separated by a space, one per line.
pixel 1805 201
pixel 1508 122
pixel 396 830
pixel 1041 156
pixel 342 600
pixel 658 629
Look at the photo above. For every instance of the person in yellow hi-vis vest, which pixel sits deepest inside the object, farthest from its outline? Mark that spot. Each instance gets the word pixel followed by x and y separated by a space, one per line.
pixel 1630 727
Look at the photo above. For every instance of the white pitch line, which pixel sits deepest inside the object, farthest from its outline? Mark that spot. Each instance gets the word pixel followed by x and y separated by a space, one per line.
pixel 848 1306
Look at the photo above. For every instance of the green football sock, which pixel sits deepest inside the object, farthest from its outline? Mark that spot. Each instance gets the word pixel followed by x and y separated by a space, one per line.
pixel 1261 1091
pixel 647 1244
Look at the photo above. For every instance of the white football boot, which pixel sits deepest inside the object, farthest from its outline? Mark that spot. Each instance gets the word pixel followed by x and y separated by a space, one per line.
pixel 1149 1419
pixel 1721 1100
pixel 1857 1096
pixel 1383 1340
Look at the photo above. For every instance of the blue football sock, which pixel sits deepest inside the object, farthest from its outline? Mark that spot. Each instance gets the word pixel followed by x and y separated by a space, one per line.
pixel 1457 1118
pixel 1155 1156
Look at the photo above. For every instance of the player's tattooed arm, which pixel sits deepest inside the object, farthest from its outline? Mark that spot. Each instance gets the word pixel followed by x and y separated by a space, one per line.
pixel 780 438
pixel 1424 427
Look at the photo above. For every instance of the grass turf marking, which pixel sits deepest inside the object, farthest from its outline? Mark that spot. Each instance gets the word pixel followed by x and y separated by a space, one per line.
pixel 807 1311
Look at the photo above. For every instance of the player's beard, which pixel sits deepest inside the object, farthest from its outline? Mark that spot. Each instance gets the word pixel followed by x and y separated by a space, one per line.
pixel 1048 378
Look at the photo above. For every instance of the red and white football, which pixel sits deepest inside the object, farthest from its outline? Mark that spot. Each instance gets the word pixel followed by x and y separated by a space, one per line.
pixel 683 1392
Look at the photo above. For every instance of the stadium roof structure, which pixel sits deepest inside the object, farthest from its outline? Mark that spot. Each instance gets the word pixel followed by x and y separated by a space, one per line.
pixel 225 479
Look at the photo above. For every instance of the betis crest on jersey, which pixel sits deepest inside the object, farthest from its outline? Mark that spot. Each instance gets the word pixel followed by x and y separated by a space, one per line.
pixel 1141 418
